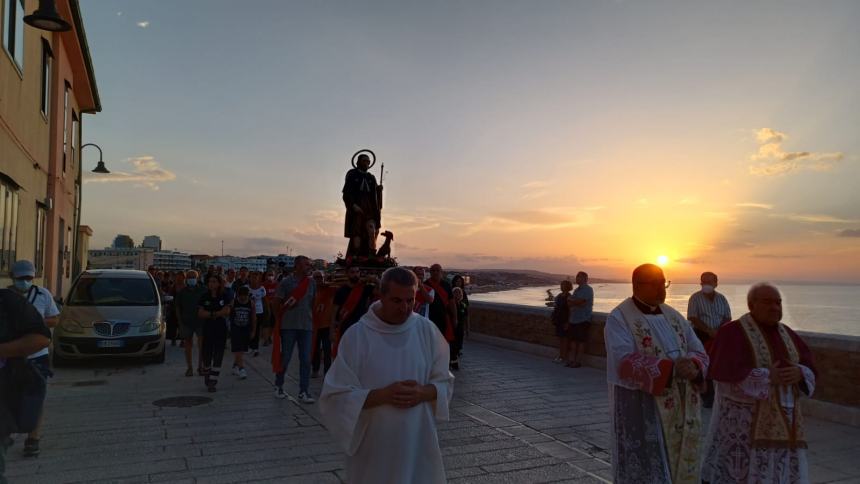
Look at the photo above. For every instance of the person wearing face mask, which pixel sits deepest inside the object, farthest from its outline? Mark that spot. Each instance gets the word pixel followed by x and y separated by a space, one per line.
pixel 40 298
pixel 185 304
pixel 707 310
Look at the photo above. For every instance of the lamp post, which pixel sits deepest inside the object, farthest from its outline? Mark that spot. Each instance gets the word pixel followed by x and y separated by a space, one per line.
pixel 47 18
pixel 100 168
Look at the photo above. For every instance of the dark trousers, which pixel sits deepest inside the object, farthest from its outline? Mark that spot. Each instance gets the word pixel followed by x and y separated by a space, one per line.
pixel 289 339
pixel 322 348
pixel 708 395
pixel 214 343
pixel 254 343
pixel 457 344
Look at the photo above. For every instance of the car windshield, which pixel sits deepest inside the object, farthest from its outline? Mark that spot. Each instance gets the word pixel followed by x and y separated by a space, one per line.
pixel 113 291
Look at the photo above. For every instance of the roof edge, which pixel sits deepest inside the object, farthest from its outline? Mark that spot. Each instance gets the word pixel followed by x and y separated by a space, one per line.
pixel 75 7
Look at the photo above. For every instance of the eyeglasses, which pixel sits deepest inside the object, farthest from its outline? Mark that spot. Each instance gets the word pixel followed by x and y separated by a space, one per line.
pixel 661 282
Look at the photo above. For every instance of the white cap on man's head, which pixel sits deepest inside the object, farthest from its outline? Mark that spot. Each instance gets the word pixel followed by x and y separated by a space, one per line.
pixel 23 268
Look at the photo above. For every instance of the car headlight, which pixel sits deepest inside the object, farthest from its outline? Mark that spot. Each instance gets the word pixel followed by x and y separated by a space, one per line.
pixel 150 326
pixel 70 326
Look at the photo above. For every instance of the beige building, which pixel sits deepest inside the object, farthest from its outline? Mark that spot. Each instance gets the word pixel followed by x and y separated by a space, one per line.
pixel 138 258
pixel 46 85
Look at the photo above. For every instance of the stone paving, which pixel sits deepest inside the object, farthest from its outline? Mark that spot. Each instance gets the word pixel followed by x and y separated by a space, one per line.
pixel 516 418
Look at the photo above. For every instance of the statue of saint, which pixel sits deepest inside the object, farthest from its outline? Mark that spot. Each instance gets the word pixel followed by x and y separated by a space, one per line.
pixel 363 200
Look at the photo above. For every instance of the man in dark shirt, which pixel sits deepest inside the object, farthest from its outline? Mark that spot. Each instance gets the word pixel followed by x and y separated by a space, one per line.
pixel 351 300
pixel 22 333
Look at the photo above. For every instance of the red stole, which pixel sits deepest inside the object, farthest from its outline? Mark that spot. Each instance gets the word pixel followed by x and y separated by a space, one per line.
pixel 419 298
pixel 443 295
pixel 298 294
pixel 351 302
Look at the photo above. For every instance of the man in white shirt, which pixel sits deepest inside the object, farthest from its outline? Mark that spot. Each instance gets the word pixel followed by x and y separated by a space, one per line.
pixel 23 273
pixel 388 386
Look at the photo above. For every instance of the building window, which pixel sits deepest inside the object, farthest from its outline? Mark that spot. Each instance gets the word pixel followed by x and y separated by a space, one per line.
pixel 76 136
pixel 41 230
pixel 47 61
pixel 13 31
pixel 8 225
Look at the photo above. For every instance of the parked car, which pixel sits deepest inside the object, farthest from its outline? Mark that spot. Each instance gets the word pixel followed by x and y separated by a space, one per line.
pixel 111 312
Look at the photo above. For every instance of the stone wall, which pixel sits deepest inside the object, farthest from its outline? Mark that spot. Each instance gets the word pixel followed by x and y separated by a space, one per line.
pixel 837 357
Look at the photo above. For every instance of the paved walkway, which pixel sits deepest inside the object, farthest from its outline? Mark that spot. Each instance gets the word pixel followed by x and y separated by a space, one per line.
pixel 516 419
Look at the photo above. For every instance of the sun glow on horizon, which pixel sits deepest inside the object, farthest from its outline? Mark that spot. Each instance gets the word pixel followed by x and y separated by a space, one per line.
pixel 662 260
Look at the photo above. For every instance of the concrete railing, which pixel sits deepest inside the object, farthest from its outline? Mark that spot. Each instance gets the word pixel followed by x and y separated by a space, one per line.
pixel 526 328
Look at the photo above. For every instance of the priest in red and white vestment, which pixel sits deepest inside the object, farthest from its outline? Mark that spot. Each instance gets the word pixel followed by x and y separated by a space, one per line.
pixel 655 366
pixel 762 368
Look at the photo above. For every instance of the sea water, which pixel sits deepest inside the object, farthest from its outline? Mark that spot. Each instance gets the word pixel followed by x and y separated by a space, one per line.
pixel 818 308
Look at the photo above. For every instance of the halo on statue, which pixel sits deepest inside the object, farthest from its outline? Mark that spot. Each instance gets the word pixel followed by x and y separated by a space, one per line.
pixel 364 151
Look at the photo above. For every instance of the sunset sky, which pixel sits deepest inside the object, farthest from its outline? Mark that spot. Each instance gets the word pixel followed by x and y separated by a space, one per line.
pixel 550 135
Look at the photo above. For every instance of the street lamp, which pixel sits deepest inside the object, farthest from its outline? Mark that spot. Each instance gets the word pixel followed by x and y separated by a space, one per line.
pixel 47 18
pixel 100 168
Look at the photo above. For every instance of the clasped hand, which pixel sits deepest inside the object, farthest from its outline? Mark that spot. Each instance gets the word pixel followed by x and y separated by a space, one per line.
pixel 686 368
pixel 404 394
pixel 788 375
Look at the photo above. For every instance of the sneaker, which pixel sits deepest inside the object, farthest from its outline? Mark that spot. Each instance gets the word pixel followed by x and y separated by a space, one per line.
pixel 211 388
pixel 256 353
pixel 315 374
pixel 242 374
pixel 189 372
pixel 280 393
pixel 235 370
pixel 455 365
pixel 558 360
pixel 306 397
pixel 31 447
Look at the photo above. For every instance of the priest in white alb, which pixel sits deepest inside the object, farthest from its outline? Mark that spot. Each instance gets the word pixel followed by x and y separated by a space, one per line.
pixel 655 367
pixel 387 388
pixel 762 369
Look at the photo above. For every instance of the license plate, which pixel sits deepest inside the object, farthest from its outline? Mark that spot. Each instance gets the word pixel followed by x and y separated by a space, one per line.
pixel 110 343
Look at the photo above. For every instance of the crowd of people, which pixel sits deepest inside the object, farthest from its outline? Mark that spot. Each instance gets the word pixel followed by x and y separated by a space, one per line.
pixel 387 347
pixel 291 308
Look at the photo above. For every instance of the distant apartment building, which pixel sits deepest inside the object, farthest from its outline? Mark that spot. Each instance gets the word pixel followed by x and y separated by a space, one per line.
pixel 135 258
pixel 288 260
pixel 152 242
pixel 168 260
pixel 122 241
pixel 231 262
pixel 47 83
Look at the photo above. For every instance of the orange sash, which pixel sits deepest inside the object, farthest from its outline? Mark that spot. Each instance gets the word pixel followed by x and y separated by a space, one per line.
pixel 443 295
pixel 351 302
pixel 298 294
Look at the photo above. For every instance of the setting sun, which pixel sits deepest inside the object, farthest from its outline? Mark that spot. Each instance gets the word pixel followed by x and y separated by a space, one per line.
pixel 662 260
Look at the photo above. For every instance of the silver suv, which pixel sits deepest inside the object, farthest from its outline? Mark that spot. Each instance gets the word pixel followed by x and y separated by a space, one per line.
pixel 111 313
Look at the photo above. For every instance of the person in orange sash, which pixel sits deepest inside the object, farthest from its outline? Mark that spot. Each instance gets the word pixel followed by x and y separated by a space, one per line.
pixel 443 309
pixel 323 309
pixel 351 301
pixel 295 298
pixel 762 369
pixel 423 295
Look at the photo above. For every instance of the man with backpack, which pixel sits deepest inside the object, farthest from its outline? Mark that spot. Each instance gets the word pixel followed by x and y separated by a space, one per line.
pixel 22 333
